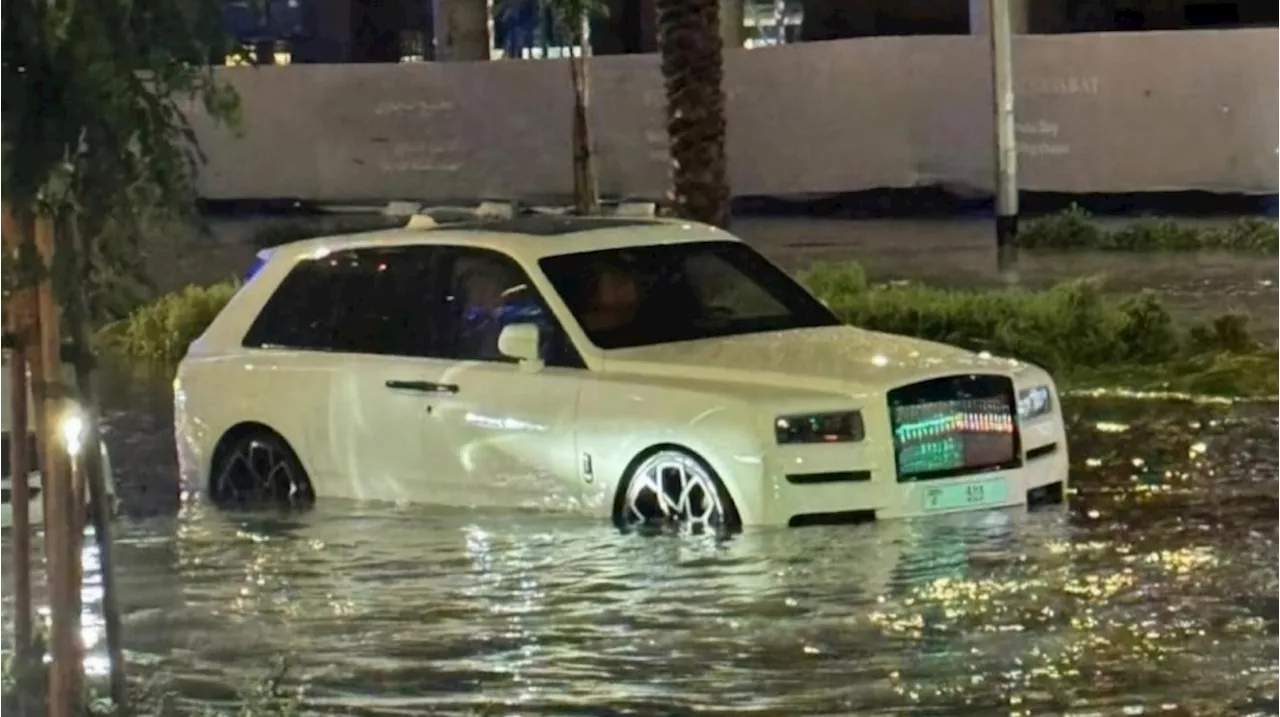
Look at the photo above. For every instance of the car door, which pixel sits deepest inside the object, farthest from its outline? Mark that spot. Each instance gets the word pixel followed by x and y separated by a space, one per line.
pixel 512 429
pixel 381 399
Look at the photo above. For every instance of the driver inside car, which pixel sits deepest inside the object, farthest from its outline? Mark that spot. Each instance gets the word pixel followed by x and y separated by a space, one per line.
pixel 613 299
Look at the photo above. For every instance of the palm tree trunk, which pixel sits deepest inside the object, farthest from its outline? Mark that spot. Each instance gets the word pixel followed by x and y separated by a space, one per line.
pixel 693 71
pixel 586 190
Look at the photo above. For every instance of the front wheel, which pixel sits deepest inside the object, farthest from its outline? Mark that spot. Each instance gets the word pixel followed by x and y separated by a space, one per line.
pixel 670 487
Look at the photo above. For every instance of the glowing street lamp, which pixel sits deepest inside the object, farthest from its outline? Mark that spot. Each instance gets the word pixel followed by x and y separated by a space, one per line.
pixel 72 428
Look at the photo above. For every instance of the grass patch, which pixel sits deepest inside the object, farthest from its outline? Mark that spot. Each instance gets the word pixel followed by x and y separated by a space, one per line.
pixel 1072 330
pixel 1075 229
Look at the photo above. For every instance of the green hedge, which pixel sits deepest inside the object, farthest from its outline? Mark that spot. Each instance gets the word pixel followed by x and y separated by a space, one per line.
pixel 1071 329
pixel 1081 337
pixel 1074 228
pixel 161 331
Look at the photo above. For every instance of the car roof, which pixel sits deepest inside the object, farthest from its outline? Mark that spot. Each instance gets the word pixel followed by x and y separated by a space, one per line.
pixel 530 237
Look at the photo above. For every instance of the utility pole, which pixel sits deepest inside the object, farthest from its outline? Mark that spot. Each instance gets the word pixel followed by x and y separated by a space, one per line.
pixel 1006 140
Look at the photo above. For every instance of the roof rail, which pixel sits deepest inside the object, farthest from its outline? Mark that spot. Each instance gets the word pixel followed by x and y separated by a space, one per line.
pixel 636 208
pixel 430 217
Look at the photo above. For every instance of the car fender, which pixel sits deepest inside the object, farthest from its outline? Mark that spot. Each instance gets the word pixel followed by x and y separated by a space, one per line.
pixel 619 420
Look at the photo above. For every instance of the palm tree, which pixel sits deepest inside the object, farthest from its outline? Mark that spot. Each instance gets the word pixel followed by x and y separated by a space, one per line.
pixel 693 71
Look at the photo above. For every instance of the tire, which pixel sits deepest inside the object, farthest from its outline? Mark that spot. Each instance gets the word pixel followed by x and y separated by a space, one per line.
pixel 259 470
pixel 671 487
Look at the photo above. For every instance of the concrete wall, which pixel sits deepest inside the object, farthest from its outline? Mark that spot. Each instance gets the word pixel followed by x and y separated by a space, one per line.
pixel 1107 112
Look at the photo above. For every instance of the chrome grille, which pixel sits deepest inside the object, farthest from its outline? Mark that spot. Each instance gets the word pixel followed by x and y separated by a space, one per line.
pixel 953 426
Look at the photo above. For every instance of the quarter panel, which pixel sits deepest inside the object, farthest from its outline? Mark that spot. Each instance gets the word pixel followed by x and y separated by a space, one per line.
pixel 288 391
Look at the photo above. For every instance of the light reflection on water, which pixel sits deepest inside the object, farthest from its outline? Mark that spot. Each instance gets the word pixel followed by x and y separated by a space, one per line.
pixel 1155 591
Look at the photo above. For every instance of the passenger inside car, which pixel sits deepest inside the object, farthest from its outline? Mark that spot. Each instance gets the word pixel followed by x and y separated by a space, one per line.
pixel 482 295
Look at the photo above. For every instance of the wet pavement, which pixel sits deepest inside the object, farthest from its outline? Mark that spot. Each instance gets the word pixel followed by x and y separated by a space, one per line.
pixel 1154 590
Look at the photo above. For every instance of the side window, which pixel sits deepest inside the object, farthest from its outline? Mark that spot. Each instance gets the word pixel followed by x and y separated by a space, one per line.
pixel 300 314
pixel 368 301
pixel 386 302
pixel 486 292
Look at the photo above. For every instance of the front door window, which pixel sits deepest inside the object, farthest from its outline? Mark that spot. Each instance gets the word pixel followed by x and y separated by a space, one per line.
pixel 487 292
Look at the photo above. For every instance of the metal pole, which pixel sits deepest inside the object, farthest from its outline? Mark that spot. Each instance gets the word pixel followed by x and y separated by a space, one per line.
pixel 1006 140
pixel 19 318
pixel 19 472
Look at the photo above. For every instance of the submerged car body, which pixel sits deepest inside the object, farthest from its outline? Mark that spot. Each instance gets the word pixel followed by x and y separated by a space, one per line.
pixel 640 369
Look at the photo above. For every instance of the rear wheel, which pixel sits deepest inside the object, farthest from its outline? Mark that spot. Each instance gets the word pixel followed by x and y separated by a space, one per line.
pixel 671 487
pixel 260 470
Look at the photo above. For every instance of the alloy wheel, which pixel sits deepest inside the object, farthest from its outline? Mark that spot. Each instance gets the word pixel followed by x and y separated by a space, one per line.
pixel 673 487
pixel 259 473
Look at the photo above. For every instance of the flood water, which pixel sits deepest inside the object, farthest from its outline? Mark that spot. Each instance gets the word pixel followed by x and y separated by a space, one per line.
pixel 1154 591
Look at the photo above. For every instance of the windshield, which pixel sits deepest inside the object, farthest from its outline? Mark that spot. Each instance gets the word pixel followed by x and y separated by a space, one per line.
pixel 645 295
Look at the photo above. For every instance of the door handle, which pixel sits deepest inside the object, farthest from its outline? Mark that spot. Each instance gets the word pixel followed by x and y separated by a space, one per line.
pixel 422 386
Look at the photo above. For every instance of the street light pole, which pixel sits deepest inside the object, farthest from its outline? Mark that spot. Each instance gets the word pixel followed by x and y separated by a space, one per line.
pixel 1001 32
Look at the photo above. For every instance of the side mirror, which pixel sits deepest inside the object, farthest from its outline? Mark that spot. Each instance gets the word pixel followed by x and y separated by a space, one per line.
pixel 521 342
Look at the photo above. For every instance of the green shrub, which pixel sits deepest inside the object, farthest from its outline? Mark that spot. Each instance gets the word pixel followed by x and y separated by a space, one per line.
pixel 1074 228
pixel 1071 330
pixel 1066 326
pixel 1071 228
pixel 1155 235
pixel 161 331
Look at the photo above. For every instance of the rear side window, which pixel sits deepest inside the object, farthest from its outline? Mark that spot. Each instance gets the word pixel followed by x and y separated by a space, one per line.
pixel 369 301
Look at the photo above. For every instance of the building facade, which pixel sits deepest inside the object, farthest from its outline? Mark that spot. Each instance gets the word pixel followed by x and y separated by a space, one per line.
pixel 382 31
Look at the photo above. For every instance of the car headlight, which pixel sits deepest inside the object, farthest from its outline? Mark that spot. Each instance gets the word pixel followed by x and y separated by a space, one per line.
pixel 1034 402
pixel 842 427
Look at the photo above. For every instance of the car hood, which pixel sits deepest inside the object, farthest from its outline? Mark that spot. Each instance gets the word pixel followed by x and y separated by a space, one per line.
pixel 834 358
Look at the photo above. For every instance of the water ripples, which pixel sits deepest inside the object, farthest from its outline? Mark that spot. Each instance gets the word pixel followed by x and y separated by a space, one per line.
pixel 1155 591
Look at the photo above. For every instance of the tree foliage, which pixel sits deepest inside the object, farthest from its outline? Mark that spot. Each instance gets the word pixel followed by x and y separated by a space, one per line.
pixel 95 126
pixel 97 139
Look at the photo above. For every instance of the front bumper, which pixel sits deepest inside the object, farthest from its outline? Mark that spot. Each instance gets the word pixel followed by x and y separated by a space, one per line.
pixel 827 485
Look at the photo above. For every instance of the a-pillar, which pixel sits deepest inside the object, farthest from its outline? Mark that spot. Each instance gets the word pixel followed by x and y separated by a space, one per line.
pixel 980 16
pixel 732 23
pixel 463 29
